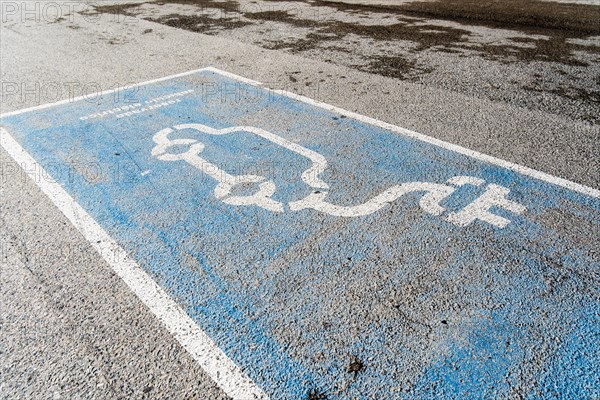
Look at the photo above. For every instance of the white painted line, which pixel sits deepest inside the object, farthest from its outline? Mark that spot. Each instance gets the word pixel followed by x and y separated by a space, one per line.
pixel 232 76
pixel 217 365
pixel 230 378
pixel 459 149
pixel 122 88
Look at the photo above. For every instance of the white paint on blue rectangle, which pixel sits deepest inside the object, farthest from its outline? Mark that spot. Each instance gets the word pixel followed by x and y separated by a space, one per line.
pixel 217 365
pixel 211 233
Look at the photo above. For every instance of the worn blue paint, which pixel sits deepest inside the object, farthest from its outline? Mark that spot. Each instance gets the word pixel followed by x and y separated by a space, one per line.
pixel 432 309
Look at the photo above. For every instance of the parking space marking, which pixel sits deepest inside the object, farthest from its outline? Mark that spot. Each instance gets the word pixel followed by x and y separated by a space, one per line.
pixel 230 378
pixel 211 242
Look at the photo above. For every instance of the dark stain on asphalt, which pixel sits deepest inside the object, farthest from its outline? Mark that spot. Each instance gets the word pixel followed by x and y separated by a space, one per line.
pixel 567 92
pixel 425 36
pixel 394 66
pixel 311 41
pixel 115 8
pixel 355 366
pixel 227 5
pixel 553 24
pixel 556 21
pixel 211 17
pixel 554 49
pixel 200 23
pixel 282 16
pixel 524 15
pixel 315 395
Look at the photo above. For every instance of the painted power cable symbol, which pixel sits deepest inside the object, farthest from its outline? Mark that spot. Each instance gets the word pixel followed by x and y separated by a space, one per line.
pixel 434 193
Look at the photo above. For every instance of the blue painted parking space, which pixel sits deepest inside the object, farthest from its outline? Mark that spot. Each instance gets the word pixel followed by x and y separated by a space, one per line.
pixel 330 257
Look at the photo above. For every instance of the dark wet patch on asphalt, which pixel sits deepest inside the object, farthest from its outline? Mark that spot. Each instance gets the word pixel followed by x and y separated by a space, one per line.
pixel 523 15
pixel 393 66
pixel 224 5
pixel 425 36
pixel 547 32
pixel 556 21
pixel 115 8
pixel 200 23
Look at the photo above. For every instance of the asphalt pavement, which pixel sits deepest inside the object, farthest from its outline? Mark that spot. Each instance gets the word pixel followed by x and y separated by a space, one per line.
pixel 366 327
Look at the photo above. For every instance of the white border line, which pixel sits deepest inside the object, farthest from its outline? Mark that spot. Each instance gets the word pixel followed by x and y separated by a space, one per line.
pixel 577 187
pixel 122 88
pixel 555 180
pixel 222 370
pixel 207 354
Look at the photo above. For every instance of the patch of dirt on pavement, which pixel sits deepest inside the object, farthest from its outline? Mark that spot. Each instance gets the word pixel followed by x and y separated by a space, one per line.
pixel 506 14
pixel 554 49
pixel 425 36
pixel 311 41
pixel 283 16
pixel 116 8
pixel 529 16
pixel 199 23
pixel 393 66
pixel 524 15
pixel 225 5
pixel 202 22
pixel 558 21
pixel 543 48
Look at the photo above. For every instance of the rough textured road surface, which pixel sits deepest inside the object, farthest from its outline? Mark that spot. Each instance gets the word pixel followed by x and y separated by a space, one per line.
pixel 517 80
